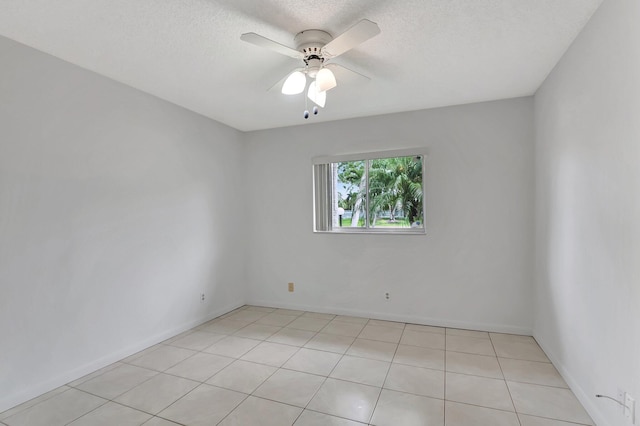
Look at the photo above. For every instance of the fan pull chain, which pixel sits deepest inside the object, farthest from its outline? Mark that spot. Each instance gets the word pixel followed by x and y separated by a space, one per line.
pixel 306 109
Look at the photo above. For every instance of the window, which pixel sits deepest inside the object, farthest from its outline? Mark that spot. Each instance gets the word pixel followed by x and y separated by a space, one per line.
pixel 376 192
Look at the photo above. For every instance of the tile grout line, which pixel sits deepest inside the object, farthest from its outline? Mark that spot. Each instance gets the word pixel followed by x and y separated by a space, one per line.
pixel 196 351
pixel 287 369
pixel 286 326
pixel 113 400
pixel 107 400
pixel 515 410
pixel 297 345
pixel 375 406
pixel 257 387
pixel 163 372
pixel 554 420
pixel 329 374
pixel 234 360
pixel 444 389
pixel 89 412
pixel 35 403
pixel 325 378
pixel 164 418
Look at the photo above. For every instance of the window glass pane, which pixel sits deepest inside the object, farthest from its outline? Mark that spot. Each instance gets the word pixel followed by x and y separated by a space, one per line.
pixel 378 195
pixel 395 192
pixel 350 194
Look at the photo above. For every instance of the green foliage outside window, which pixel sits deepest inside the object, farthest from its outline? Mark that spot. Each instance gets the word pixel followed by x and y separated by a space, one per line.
pixel 388 194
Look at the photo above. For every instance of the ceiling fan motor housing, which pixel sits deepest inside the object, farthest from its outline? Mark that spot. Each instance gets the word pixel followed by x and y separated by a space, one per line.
pixel 310 43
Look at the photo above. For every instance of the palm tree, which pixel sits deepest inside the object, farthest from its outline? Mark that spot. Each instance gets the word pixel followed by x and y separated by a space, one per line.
pixel 352 175
pixel 396 184
pixel 382 194
pixel 409 186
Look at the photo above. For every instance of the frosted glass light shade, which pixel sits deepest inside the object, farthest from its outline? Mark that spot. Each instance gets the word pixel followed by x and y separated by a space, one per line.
pixel 294 84
pixel 325 80
pixel 319 98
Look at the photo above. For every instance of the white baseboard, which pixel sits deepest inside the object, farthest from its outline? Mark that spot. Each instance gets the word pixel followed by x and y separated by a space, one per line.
pixel 586 399
pixel 9 401
pixel 437 322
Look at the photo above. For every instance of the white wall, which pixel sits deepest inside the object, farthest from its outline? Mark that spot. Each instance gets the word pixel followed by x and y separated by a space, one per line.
pixel 474 267
pixel 587 310
pixel 115 215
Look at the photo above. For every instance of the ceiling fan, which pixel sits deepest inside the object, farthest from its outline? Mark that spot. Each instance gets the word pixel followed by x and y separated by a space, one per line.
pixel 315 48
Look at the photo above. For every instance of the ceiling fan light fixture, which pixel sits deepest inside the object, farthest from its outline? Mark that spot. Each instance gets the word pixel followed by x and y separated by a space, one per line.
pixel 294 84
pixel 317 97
pixel 314 48
pixel 325 80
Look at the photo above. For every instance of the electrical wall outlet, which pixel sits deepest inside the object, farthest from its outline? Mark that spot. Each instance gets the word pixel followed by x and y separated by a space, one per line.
pixel 202 297
pixel 630 408
pixel 291 287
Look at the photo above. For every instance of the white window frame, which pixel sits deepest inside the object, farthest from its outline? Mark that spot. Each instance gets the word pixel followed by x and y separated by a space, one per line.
pixel 323 192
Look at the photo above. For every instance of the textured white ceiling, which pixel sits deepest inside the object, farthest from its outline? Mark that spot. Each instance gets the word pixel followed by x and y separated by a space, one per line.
pixel 430 53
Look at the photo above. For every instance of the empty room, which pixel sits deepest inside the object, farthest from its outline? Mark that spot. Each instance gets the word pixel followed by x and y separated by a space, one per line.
pixel 389 213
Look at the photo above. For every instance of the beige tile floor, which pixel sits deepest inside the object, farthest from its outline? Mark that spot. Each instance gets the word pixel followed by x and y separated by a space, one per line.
pixel 264 366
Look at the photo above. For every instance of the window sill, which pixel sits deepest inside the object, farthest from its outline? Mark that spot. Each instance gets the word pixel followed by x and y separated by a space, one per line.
pixel 378 231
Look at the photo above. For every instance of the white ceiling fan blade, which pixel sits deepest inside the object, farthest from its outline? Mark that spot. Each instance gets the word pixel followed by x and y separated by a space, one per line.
pixel 359 33
pixel 345 72
pixel 278 84
pixel 266 43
